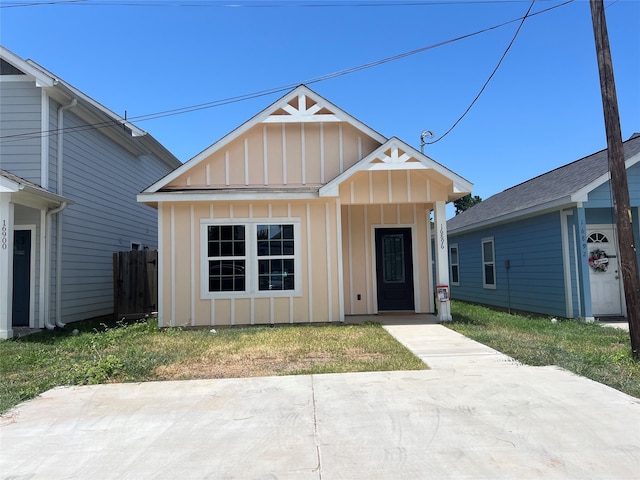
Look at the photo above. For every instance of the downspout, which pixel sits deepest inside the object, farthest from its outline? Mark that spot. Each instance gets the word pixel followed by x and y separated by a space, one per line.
pixel 59 189
pixel 47 264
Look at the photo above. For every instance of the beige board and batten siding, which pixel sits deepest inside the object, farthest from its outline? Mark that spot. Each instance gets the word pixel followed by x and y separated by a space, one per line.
pixel 286 154
pixel 183 257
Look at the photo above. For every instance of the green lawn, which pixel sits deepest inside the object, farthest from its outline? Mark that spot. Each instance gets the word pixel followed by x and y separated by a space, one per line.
pixel 600 353
pixel 141 352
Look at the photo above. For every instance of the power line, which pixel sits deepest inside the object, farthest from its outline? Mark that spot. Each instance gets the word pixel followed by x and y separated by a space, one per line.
pixel 262 93
pixel 515 35
pixel 258 4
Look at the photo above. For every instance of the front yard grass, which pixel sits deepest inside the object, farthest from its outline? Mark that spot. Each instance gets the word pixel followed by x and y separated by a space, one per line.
pixel 594 351
pixel 139 352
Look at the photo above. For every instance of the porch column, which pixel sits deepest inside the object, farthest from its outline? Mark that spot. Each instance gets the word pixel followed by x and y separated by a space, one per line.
pixel 6 266
pixel 441 254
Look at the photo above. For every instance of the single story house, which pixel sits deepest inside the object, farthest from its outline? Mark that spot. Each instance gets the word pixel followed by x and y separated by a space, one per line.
pixel 301 214
pixel 70 170
pixel 549 244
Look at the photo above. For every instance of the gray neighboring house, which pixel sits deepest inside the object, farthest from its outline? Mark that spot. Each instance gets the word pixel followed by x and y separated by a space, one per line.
pixel 70 170
pixel 549 244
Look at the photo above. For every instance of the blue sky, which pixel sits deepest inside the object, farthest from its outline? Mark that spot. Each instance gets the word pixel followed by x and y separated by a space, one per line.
pixel 542 108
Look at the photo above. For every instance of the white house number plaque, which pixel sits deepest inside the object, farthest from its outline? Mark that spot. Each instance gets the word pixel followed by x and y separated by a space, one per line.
pixel 4 235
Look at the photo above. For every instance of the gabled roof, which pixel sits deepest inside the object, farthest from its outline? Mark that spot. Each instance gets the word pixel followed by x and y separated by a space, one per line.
pixel 93 112
pixel 566 185
pixel 395 154
pixel 300 105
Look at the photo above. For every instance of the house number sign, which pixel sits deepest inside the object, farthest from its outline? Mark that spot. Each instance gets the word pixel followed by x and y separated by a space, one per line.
pixel 4 235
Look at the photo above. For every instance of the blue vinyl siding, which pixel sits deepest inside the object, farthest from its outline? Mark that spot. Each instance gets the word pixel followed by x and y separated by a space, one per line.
pixel 535 280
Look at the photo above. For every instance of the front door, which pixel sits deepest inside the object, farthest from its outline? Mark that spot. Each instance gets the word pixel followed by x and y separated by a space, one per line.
pixel 21 277
pixel 394 269
pixel 604 273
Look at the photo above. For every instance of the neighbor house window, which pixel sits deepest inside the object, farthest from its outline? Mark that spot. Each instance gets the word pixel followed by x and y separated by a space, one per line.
pixel 488 264
pixel 455 269
pixel 253 256
pixel 226 257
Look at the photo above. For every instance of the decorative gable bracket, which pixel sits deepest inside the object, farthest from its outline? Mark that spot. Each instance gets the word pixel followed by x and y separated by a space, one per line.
pixel 302 108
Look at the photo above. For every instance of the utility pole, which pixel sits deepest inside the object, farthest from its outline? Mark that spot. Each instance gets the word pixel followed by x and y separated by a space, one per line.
pixel 619 185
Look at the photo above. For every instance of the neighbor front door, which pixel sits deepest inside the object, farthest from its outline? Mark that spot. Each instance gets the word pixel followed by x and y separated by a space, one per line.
pixel 604 273
pixel 21 277
pixel 394 269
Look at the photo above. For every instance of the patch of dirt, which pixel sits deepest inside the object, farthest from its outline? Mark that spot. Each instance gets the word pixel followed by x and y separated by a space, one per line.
pixel 252 364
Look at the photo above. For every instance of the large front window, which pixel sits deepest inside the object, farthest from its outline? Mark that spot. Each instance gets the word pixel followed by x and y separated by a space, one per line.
pixel 250 257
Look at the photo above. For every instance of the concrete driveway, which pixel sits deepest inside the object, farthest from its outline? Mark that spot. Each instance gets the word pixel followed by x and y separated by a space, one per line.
pixel 476 415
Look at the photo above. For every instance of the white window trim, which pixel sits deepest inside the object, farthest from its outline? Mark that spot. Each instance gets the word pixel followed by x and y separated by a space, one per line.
pixel 493 254
pixel 251 258
pixel 457 264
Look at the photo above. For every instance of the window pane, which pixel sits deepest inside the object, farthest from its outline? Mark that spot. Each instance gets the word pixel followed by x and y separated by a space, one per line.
pixel 489 278
pixel 214 249
pixel 238 232
pixel 226 249
pixel 488 251
pixel 226 232
pixel 287 247
pixel 226 275
pixel 276 274
pixel 287 232
pixel 393 258
pixel 275 247
pixel 214 232
pixel 238 249
pixel 454 273
pixel 275 231
pixel 454 255
pixel 263 232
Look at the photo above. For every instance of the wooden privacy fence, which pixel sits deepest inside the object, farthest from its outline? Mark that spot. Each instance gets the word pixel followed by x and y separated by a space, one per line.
pixel 135 283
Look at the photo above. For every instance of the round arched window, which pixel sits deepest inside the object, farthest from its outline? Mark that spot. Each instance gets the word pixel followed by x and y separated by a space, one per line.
pixel 597 237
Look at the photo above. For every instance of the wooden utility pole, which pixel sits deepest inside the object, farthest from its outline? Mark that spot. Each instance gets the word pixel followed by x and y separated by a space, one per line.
pixel 619 186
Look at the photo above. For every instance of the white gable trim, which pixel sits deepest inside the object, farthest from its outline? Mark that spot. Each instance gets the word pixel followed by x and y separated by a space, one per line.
pixel 41 79
pixel 302 92
pixel 582 195
pixel 379 160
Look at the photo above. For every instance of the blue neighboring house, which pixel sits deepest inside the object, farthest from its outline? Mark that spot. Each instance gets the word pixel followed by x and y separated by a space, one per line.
pixel 547 245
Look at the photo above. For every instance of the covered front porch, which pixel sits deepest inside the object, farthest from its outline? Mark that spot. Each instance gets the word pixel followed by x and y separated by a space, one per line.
pixel 386 202
pixel 25 252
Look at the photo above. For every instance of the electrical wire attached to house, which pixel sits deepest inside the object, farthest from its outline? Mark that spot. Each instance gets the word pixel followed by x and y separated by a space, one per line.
pixel 464 114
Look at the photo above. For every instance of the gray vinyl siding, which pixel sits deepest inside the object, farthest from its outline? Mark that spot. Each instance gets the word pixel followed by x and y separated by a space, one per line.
pixel 103 179
pixel 535 280
pixel 20 113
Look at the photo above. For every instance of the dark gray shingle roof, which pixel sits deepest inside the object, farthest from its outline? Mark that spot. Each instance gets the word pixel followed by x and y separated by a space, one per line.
pixel 546 188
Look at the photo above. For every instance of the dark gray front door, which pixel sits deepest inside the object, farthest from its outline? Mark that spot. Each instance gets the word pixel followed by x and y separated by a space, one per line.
pixel 394 269
pixel 21 277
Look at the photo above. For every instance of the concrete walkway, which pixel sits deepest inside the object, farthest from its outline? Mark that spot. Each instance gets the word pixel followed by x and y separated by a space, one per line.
pixel 476 414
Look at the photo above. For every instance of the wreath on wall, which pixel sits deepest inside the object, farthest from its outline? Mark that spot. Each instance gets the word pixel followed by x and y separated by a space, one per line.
pixel 598 260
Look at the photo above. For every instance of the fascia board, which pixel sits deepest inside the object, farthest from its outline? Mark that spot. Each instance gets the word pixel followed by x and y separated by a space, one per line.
pixel 155 197
pixel 559 204
pixel 70 92
pixel 582 195
pixel 256 120
pixel 42 79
